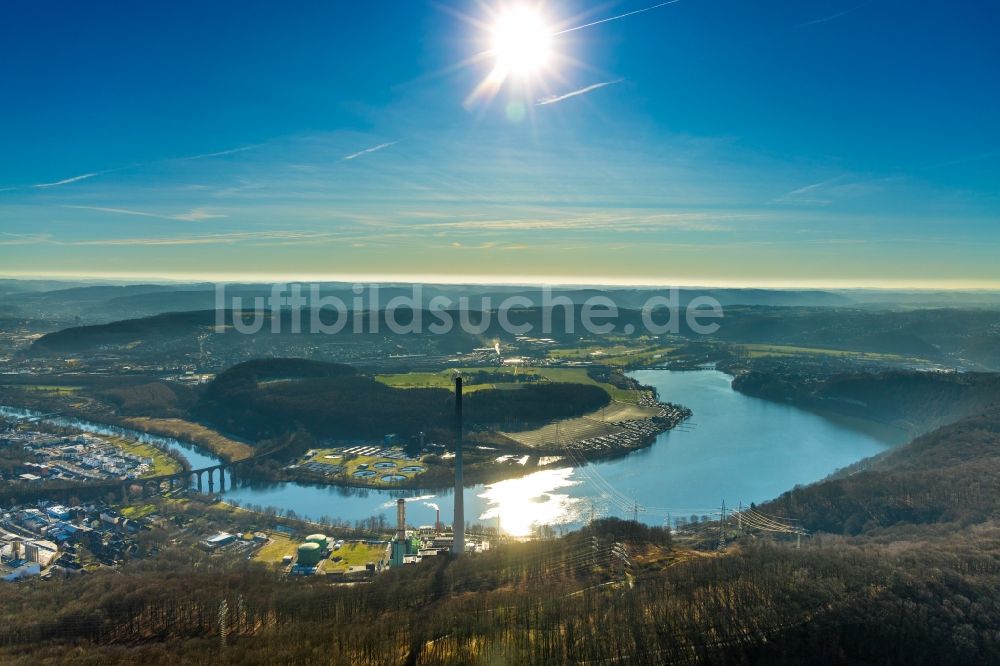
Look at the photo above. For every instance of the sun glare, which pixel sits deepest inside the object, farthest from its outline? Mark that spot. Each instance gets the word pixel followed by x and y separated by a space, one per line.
pixel 521 41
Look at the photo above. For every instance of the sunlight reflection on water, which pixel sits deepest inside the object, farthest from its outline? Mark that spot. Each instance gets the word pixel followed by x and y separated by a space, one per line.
pixel 524 503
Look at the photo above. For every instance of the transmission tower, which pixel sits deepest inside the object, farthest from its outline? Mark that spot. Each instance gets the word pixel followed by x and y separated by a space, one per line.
pixel 722 527
pixel 223 623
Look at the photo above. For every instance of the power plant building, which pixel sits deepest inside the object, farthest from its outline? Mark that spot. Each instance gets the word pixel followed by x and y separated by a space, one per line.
pixel 404 546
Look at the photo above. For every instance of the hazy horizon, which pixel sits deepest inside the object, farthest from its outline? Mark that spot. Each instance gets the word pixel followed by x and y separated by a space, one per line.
pixel 479 280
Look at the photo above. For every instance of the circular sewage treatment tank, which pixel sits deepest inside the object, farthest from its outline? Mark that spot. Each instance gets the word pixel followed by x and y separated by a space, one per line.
pixel 309 555
pixel 318 539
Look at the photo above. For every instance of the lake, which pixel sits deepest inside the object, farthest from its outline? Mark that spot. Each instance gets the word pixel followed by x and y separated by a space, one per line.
pixel 735 449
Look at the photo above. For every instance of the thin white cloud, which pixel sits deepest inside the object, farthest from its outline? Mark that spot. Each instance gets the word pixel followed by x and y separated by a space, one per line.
pixel 554 99
pixel 197 215
pixel 23 239
pixel 280 237
pixel 373 149
pixel 67 181
pixel 827 192
pixel 833 17
pixel 623 221
pixel 220 153
pixel 117 211
pixel 217 239
pixel 809 194
pixel 86 176
pixel 194 215
pixel 489 245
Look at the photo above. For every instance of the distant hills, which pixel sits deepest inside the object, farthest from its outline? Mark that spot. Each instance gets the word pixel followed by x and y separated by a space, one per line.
pixel 95 302
pixel 118 302
pixel 964 338
pixel 149 329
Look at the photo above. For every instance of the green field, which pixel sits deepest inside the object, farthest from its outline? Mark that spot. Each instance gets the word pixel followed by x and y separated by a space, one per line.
pixel 446 379
pixel 44 388
pixel 276 548
pixel 136 511
pixel 354 554
pixel 593 352
pixel 580 376
pixel 617 356
pixel 760 351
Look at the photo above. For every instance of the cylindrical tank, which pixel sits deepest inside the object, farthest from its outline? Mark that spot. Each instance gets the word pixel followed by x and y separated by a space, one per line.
pixel 318 539
pixel 309 554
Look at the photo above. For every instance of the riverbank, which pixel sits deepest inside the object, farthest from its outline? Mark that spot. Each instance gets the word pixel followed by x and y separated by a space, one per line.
pixel 224 447
pixel 739 449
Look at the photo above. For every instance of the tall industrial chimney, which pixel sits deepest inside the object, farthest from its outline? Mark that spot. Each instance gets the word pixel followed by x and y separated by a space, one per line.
pixel 458 524
pixel 401 520
pixel 437 522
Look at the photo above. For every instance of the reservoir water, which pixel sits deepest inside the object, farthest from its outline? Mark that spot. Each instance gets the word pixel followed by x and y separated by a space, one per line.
pixel 735 448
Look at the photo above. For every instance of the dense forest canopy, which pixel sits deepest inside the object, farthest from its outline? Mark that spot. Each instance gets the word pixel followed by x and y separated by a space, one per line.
pixel 265 398
pixel 918 401
pixel 946 476
pixel 930 601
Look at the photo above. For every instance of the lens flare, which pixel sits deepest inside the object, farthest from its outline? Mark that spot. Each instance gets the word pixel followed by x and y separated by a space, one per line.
pixel 520 46
pixel 521 41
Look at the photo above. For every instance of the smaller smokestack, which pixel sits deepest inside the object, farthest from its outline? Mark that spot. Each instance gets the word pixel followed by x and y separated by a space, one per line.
pixel 401 520
pixel 437 522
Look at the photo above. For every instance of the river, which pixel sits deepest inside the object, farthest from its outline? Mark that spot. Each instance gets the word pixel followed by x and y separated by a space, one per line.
pixel 735 449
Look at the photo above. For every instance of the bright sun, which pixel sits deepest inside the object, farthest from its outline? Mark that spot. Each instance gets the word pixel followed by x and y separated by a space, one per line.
pixel 521 42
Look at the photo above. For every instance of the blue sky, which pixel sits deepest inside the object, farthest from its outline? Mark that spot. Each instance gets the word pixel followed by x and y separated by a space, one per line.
pixel 845 142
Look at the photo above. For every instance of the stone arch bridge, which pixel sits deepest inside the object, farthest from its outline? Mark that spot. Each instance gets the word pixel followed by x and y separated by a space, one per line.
pixel 203 479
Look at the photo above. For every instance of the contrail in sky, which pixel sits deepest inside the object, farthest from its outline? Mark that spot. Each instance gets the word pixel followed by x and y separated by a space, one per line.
pixel 67 181
pixel 85 176
pixel 582 91
pixel 370 150
pixel 851 10
pixel 220 153
pixel 615 18
pixel 195 215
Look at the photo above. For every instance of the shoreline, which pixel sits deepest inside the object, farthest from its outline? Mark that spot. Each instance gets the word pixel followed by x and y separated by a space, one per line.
pixel 892 434
pixel 572 457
